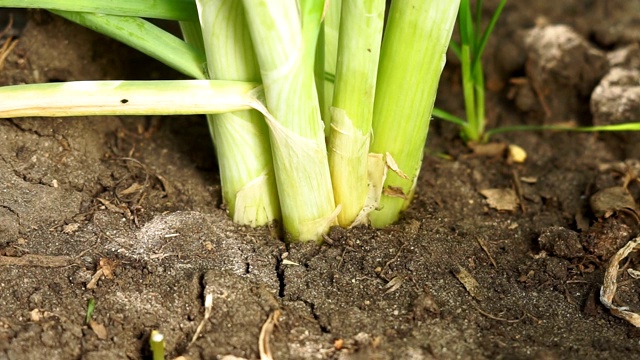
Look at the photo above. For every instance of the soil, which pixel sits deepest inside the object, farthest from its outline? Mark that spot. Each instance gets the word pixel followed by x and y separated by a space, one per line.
pixel 135 203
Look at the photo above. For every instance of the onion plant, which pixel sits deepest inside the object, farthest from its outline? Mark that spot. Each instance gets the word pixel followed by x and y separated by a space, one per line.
pixel 318 110
pixel 473 40
pixel 156 344
pixel 470 49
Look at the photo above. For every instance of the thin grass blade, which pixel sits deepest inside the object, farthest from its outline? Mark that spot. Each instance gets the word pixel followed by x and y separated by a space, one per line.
pixel 443 115
pixel 455 47
pixel 468 89
pixel 632 126
pixel 465 23
pixel 477 24
pixel 145 37
pixel 482 43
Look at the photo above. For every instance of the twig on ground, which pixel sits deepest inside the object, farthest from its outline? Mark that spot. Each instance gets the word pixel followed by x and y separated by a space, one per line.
pixel 469 282
pixel 265 334
pixel 38 260
pixel 518 187
pixel 342 257
pixel 94 279
pixel 484 247
pixel 394 284
pixel 395 258
pixel 499 318
pixel 490 316
pixel 539 93
pixel 8 44
pixel 208 307
pixel 610 284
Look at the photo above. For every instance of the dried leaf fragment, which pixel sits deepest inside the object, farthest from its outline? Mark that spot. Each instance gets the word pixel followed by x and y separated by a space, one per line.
pixel 107 266
pixel 468 282
pixel 98 329
pixel 610 284
pixel 501 199
pixel 393 165
pixel 111 207
pixel 134 188
pixel 611 200
pixel 493 149
pixel 70 228
pixel 265 334
pixel 395 191
pixel 394 284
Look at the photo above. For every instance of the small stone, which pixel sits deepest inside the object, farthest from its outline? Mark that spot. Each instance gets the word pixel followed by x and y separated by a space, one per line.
pixel 517 154
pixel 561 61
pixel 561 242
pixel 616 99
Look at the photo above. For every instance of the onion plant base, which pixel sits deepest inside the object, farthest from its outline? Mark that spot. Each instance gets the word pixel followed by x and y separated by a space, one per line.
pixel 383 94
pixel 412 58
pixel 347 147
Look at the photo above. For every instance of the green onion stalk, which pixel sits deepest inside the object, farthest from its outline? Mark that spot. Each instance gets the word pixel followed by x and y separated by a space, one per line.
pixel 351 111
pixel 156 344
pixel 473 41
pixel 470 49
pixel 241 138
pixel 376 96
pixel 412 58
pixel 285 36
pixel 326 59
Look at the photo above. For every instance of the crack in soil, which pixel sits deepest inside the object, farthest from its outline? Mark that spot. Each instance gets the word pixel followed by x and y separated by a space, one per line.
pixel 312 308
pixel 30 180
pixel 281 277
pixel 61 139
pixel 15 123
pixel 15 213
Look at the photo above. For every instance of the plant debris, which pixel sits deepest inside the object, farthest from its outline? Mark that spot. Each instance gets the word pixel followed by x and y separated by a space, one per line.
pixel 605 237
pixel 99 329
pixel 37 260
pixel 609 201
pixel 8 45
pixel 610 285
pixel 394 284
pixel 265 334
pixel 501 199
pixel 425 303
pixel 208 307
pixel 492 149
pixel 468 282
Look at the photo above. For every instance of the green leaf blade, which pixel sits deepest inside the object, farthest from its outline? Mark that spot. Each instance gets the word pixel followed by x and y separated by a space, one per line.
pixel 156 9
pixel 145 37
